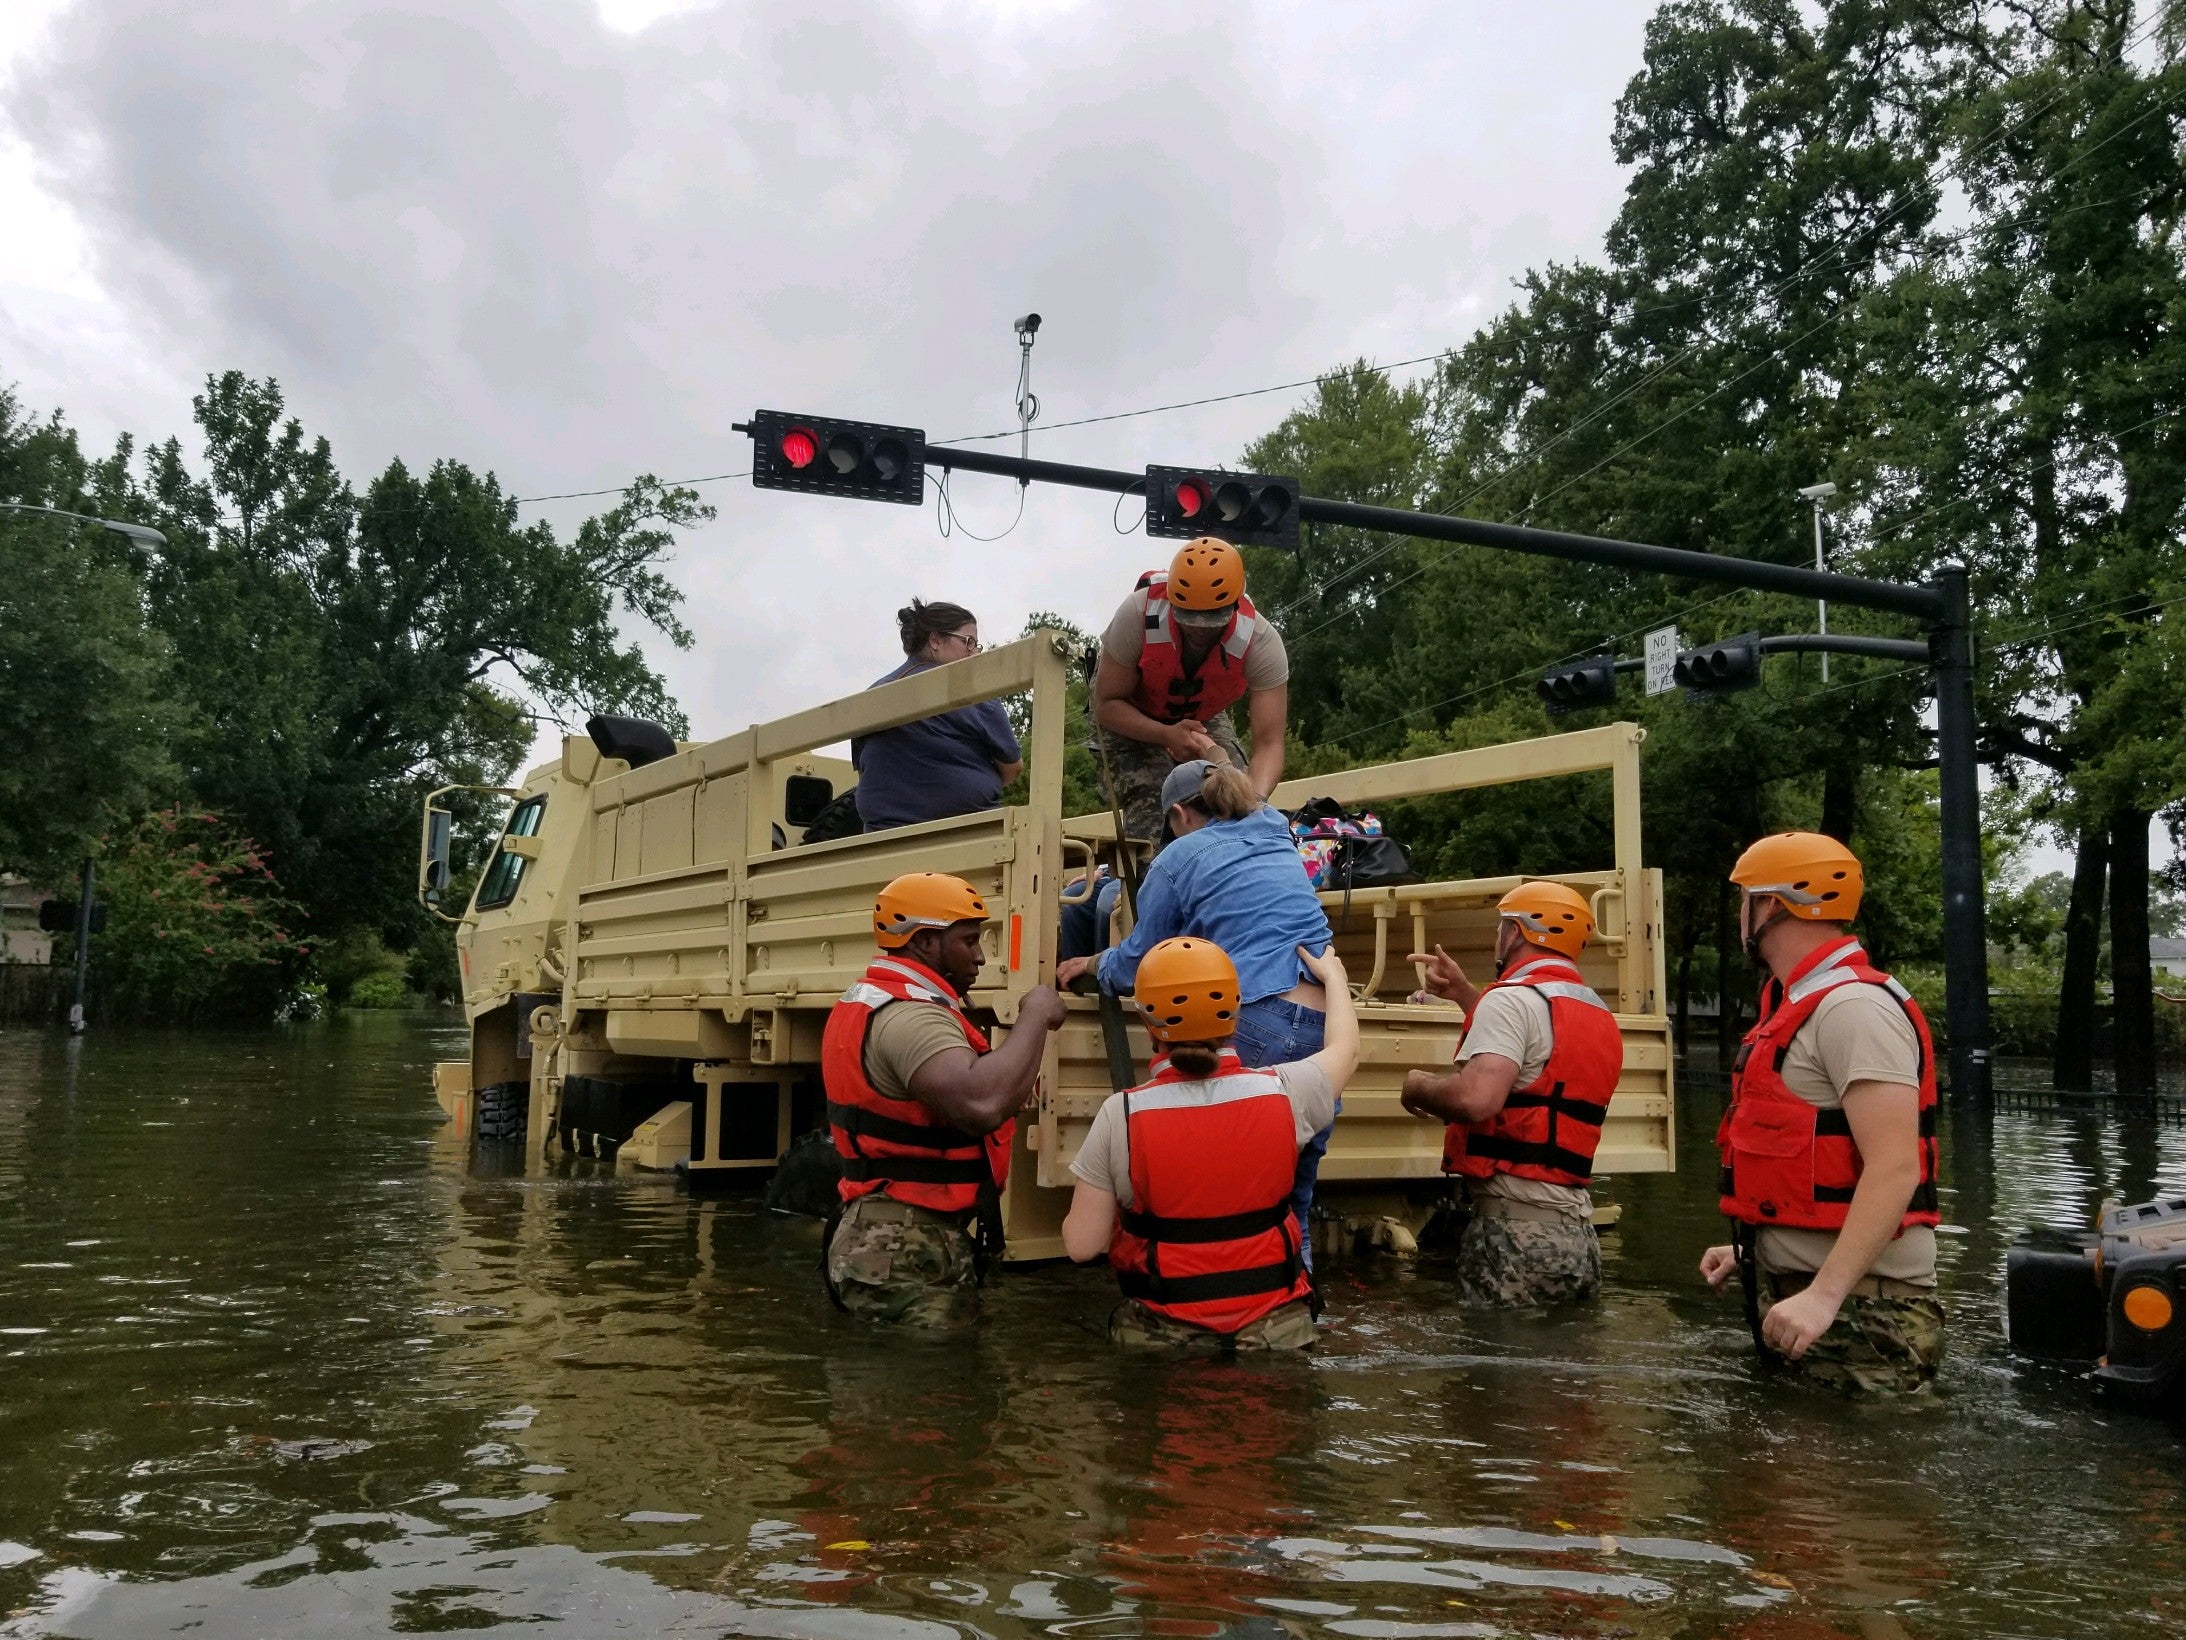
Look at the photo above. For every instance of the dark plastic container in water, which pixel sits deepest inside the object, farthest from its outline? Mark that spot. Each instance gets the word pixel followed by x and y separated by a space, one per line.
pixel 2112 1300
pixel 2053 1300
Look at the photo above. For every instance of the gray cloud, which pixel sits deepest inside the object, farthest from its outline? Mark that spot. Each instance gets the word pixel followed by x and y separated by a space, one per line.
pixel 516 236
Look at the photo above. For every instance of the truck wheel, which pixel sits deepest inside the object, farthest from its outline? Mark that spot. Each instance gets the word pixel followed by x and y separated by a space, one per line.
pixel 502 1108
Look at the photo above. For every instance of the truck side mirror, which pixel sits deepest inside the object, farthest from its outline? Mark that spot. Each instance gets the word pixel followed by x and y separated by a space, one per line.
pixel 432 871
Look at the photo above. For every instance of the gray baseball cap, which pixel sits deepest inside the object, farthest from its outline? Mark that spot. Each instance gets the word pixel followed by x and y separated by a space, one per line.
pixel 1183 783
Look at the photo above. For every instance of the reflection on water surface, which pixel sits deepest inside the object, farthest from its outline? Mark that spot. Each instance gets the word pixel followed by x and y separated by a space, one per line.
pixel 272 1363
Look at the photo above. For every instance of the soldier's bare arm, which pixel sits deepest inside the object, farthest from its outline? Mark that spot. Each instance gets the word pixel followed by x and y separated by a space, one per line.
pixel 1473 1092
pixel 979 1092
pixel 1090 1224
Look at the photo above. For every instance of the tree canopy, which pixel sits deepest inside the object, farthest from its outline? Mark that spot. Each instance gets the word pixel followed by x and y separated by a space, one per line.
pixel 301 659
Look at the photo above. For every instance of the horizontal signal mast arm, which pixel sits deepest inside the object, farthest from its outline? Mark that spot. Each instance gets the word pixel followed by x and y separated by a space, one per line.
pixel 1830 643
pixel 1923 603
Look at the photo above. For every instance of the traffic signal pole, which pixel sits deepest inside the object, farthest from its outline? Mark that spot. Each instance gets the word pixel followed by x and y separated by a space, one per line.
pixel 1965 934
pixel 1942 606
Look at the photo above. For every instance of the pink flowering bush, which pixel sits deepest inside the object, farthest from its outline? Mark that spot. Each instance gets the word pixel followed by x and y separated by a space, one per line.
pixel 196 925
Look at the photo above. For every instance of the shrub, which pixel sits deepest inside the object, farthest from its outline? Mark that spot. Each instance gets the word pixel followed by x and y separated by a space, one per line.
pixel 382 990
pixel 195 921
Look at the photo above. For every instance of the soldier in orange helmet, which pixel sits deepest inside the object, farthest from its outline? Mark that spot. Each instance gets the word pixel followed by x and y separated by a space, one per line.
pixel 921 1111
pixel 1526 1103
pixel 1829 1146
pixel 1185 647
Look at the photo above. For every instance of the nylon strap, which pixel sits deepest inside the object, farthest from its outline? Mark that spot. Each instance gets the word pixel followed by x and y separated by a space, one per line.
pixel 1227 1227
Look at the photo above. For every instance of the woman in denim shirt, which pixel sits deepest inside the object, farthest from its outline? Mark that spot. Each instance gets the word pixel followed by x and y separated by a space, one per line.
pixel 1232 875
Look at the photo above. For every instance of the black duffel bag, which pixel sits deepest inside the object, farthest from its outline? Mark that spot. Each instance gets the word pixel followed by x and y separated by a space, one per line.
pixel 1362 856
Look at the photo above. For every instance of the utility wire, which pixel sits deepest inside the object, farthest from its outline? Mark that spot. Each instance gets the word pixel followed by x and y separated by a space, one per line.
pixel 1818 264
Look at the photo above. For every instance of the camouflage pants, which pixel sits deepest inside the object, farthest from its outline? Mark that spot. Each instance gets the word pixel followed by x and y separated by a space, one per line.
pixel 1511 1262
pixel 1287 1328
pixel 1140 767
pixel 890 1262
pixel 1882 1342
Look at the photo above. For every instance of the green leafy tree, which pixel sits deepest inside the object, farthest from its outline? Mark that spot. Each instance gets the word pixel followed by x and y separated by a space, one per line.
pixel 346 653
pixel 88 722
pixel 2028 377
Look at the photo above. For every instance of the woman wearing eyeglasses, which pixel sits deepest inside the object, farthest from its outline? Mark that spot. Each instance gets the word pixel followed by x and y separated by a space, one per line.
pixel 954 763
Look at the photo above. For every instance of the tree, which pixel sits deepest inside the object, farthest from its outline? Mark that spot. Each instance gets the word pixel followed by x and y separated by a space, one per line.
pixel 86 721
pixel 349 653
pixel 2028 376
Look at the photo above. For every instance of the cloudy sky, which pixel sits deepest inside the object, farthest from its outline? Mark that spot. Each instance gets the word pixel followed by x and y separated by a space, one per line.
pixel 572 240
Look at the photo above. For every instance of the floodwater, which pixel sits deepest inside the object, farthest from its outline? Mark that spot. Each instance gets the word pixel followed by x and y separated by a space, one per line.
pixel 273 1363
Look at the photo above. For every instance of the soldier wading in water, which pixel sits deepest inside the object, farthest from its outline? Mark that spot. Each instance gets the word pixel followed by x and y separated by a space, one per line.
pixel 1829 1147
pixel 1525 1105
pixel 921 1111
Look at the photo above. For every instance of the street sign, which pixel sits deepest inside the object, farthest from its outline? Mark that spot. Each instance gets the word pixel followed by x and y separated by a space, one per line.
pixel 1662 660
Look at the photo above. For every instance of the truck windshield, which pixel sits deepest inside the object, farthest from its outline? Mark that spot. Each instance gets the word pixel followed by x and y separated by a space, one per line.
pixel 506 874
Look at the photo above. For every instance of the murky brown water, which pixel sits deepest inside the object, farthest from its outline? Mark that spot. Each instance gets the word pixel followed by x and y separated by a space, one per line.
pixel 274 1364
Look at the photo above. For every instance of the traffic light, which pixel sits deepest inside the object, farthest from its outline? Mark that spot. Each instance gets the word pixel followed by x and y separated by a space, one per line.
pixel 59 916
pixel 1572 688
pixel 825 455
pixel 1717 668
pixel 1250 509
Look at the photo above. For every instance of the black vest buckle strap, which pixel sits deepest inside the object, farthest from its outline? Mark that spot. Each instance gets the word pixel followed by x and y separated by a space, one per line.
pixel 1498 1147
pixel 1228 1227
pixel 867 1124
pixel 971 1170
pixel 1155 1288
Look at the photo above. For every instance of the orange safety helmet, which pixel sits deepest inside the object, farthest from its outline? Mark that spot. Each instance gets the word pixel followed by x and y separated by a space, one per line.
pixel 1206 576
pixel 923 899
pixel 1551 915
pixel 1187 991
pixel 1816 877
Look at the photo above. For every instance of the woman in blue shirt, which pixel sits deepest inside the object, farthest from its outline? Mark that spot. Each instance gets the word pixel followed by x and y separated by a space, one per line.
pixel 1232 875
pixel 954 763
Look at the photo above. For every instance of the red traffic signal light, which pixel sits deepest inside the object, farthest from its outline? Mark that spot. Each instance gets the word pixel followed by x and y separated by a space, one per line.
pixel 1250 509
pixel 829 456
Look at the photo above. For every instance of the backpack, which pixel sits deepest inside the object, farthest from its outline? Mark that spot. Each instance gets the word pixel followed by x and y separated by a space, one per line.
pixel 1342 850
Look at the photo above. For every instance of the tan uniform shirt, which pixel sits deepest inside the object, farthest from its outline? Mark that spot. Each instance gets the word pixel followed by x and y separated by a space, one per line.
pixel 1857 1033
pixel 1513 1022
pixel 1104 1160
pixel 903 1036
pixel 1267 662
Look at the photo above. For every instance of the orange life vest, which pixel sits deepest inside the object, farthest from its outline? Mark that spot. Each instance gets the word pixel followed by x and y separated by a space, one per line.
pixel 1209 1237
pixel 898 1146
pixel 1168 692
pixel 1785 1161
pixel 1549 1129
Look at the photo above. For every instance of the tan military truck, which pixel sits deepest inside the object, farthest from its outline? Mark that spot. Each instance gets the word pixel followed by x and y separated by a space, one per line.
pixel 656 971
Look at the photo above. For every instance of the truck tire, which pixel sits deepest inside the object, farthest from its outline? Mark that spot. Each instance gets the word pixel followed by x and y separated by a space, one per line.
pixel 501 1111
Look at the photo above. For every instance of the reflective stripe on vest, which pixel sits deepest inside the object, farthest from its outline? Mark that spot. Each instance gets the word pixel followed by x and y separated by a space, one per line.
pixel 1550 1129
pixel 898 1147
pixel 1209 1238
pixel 1167 692
pixel 1785 1161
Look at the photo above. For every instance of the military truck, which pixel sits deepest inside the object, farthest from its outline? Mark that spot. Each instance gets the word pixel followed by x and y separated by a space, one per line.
pixel 652 951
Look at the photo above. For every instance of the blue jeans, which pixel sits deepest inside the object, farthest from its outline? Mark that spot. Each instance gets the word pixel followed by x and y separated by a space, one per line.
pixel 1084 930
pixel 1274 1032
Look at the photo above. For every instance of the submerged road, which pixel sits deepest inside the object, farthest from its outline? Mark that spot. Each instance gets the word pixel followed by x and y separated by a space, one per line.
pixel 273 1362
